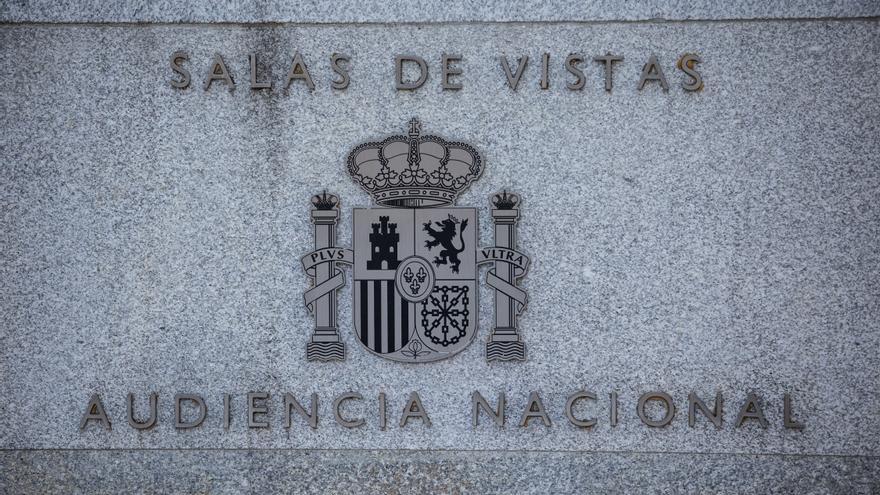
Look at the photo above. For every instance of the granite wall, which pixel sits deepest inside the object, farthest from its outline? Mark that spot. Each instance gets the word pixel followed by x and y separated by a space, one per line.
pixel 717 241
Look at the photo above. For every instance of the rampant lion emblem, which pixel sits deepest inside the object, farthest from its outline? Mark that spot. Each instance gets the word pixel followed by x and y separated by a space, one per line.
pixel 444 237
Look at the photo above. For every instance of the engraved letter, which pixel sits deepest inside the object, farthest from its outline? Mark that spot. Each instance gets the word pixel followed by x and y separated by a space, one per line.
pixel 185 78
pixel 613 412
pixel 383 417
pixel 751 410
pixel 534 409
pixel 227 403
pixel 339 69
pixel 95 410
pixel 786 415
pixel 652 72
pixel 447 71
pixel 254 83
pixel 290 402
pixel 545 71
pixel 714 415
pixel 150 421
pixel 663 397
pixel 608 60
pixel 569 406
pixel 353 423
pixel 398 71
pixel 254 409
pixel 688 63
pixel 178 416
pixel 513 79
pixel 218 72
pixel 298 70
pixel 480 403
pixel 414 409
pixel 571 65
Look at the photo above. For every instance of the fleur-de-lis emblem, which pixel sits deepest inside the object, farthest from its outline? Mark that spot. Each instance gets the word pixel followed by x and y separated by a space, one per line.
pixel 415 281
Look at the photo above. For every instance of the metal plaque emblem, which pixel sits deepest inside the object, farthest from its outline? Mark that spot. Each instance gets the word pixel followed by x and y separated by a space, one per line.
pixel 415 257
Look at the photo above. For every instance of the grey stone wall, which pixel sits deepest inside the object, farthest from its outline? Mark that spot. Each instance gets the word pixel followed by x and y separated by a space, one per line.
pixel 360 471
pixel 427 12
pixel 718 241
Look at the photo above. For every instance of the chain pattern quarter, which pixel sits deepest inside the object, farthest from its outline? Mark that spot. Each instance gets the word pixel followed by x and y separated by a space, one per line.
pixel 447 313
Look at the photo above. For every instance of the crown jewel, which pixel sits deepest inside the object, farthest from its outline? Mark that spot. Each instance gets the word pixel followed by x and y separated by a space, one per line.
pixel 414 171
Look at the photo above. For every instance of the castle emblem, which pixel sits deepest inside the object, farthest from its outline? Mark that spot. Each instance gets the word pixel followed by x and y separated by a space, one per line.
pixel 415 256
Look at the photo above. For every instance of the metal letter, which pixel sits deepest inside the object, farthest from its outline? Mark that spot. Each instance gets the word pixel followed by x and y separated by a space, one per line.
pixel 383 417
pixel 513 79
pixel 545 71
pixel 222 75
pixel 185 78
pixel 608 60
pixel 534 409
pixel 613 413
pixel 335 60
pixel 354 423
pixel 414 409
pixel 569 405
pixel 227 403
pixel 95 411
pixel 200 403
pixel 688 63
pixel 571 65
pixel 653 72
pixel 663 397
pixel 298 70
pixel 447 71
pixel 479 402
pixel 254 83
pixel 714 415
pixel 254 409
pixel 751 409
pixel 786 415
pixel 151 420
pixel 290 402
pixel 398 72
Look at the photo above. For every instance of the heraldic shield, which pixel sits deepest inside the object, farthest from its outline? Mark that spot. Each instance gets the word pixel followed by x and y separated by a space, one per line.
pixel 415 281
pixel 415 256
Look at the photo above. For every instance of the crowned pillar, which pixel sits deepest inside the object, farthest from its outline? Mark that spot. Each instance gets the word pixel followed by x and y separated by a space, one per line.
pixel 505 343
pixel 325 344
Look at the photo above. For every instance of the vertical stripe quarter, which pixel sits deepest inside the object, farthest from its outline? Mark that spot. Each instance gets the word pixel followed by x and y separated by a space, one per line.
pixel 392 306
pixel 364 310
pixel 376 304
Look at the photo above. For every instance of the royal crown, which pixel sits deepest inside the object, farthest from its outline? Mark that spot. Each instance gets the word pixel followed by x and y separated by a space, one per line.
pixel 414 171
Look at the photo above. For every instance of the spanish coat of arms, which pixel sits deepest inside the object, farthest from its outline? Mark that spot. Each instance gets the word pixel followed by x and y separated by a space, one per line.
pixel 415 257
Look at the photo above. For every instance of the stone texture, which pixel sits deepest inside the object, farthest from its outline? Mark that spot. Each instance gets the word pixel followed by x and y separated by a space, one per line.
pixel 723 240
pixel 343 471
pixel 403 11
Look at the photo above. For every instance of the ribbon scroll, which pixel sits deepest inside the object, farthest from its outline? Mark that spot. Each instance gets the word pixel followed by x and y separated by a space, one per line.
pixel 519 263
pixel 336 281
